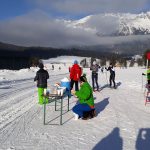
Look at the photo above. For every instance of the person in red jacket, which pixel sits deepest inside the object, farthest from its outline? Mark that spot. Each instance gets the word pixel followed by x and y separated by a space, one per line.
pixel 75 74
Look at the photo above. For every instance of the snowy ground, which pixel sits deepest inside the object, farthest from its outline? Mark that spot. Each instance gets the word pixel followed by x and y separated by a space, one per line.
pixel 122 122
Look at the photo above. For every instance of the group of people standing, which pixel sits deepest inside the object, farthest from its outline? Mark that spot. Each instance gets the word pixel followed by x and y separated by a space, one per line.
pixel 76 71
pixel 85 107
pixel 95 68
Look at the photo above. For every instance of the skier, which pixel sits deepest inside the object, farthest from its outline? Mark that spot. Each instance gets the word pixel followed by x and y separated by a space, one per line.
pixel 102 69
pixel 148 76
pixel 52 67
pixel 94 68
pixel 41 78
pixel 85 108
pixel 112 75
pixel 147 86
pixel 75 74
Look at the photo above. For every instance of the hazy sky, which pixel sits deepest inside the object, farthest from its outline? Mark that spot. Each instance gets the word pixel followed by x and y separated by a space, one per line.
pixel 33 22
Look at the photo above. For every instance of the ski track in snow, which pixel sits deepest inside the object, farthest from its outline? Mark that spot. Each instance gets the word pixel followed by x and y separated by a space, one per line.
pixel 121 114
pixel 19 100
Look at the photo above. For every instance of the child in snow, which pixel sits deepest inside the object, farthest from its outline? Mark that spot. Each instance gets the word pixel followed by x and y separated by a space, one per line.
pixel 41 78
pixel 85 108
pixel 112 75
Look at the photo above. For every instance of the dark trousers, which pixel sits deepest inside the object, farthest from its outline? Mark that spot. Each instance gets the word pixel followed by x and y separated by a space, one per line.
pixel 112 79
pixel 95 80
pixel 81 108
pixel 76 85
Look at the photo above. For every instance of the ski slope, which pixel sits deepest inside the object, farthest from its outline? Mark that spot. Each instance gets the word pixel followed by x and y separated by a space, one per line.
pixel 122 122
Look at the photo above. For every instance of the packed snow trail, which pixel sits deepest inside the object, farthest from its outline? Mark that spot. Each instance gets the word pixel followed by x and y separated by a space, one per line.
pixel 122 121
pixel 19 99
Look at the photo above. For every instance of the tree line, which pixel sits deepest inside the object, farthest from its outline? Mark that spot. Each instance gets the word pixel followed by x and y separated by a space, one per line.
pixel 119 60
pixel 27 57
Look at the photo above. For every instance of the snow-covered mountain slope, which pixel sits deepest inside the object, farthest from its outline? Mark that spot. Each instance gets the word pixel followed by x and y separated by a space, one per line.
pixel 114 24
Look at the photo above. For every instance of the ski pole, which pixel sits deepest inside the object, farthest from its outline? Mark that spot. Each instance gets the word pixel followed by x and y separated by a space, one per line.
pixel 106 77
pixel 142 81
pixel 143 86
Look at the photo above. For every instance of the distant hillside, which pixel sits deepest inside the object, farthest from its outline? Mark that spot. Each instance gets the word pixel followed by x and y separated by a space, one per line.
pixel 17 57
pixel 8 50
pixel 128 48
pixel 5 46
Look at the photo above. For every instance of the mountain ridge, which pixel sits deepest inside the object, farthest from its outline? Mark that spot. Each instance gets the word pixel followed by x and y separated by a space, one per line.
pixel 122 24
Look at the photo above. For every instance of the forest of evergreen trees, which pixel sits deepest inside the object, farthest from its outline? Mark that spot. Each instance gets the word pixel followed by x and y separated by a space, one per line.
pixel 16 57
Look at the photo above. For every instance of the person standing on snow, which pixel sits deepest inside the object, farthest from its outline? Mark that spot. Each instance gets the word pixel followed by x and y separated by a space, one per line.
pixel 94 68
pixel 148 76
pixel 75 74
pixel 52 67
pixel 102 69
pixel 85 108
pixel 112 75
pixel 41 78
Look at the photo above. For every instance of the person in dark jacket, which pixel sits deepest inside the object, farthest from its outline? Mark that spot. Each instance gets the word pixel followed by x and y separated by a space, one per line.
pixel 75 74
pixel 41 78
pixel 112 75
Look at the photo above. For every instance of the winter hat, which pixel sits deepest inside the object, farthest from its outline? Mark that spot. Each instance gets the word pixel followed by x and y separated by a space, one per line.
pixel 41 66
pixel 75 62
pixel 94 62
pixel 83 78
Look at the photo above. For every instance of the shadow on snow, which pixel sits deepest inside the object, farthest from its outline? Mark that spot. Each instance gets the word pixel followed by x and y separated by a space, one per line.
pixel 143 139
pixel 111 142
pixel 100 106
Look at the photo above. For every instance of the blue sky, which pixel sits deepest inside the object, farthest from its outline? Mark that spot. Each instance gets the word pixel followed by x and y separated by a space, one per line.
pixel 72 9
pixel 13 8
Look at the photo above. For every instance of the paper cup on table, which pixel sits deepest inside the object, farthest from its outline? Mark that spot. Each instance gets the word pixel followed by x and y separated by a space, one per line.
pixel 59 92
pixel 45 91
